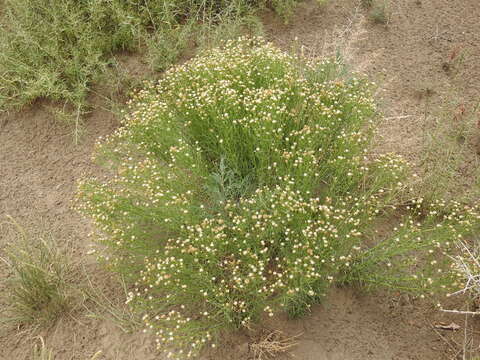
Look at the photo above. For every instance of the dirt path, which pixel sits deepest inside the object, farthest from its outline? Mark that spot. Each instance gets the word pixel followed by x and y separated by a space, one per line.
pixel 39 166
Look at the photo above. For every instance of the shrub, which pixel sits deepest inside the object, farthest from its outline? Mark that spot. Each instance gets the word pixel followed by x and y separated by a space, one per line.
pixel 241 185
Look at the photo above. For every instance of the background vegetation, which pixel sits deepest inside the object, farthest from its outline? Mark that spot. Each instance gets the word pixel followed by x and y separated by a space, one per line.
pixel 57 49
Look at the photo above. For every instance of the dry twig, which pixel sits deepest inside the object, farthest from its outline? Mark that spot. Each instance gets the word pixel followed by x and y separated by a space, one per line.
pixel 272 344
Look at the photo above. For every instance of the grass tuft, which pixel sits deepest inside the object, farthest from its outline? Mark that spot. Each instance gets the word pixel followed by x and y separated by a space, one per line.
pixel 449 163
pixel 38 290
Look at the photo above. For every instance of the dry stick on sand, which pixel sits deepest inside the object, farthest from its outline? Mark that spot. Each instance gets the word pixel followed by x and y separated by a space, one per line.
pixel 454 347
pixel 272 344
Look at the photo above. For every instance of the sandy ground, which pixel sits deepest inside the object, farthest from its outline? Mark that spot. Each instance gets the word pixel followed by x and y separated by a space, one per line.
pixel 410 59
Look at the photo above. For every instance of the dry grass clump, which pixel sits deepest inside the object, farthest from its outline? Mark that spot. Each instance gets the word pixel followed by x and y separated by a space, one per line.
pixel 243 186
pixel 271 344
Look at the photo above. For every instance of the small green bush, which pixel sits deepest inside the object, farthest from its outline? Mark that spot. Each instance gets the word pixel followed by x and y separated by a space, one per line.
pixel 241 186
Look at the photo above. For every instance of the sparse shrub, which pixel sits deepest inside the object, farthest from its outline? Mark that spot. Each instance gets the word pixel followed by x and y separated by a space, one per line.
pixel 38 290
pixel 242 186
pixel 449 163
pixel 165 47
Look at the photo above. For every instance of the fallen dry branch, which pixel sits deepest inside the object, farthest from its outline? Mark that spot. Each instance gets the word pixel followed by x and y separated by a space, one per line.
pixel 271 344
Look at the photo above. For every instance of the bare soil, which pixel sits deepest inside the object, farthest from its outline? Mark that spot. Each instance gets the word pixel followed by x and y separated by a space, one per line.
pixel 412 58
